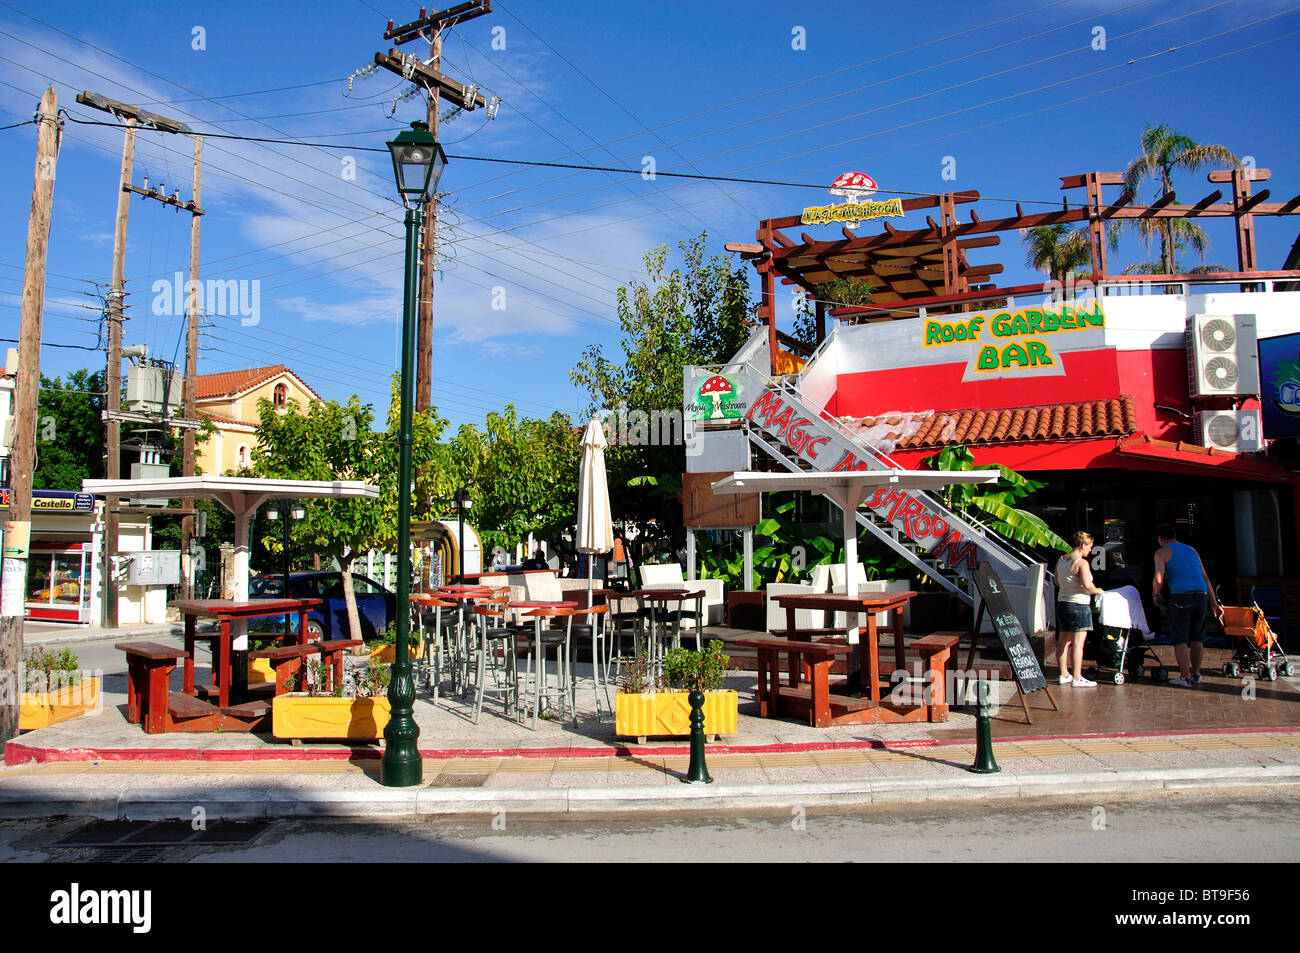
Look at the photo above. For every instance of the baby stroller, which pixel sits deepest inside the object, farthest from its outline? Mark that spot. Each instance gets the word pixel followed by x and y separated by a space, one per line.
pixel 1120 636
pixel 1256 644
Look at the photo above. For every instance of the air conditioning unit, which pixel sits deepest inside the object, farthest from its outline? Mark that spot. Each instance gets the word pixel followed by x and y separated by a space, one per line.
pixel 1237 431
pixel 1222 355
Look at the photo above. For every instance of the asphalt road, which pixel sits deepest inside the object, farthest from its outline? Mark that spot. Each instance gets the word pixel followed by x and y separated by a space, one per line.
pixel 1219 827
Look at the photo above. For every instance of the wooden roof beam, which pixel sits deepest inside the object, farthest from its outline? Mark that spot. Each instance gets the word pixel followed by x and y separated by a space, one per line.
pixel 1254 200
pixel 1206 202
pixel 1165 200
pixel 1124 198
pixel 1103 178
pixel 1225 175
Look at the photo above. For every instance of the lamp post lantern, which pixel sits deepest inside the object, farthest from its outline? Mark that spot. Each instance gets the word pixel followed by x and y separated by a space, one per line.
pixel 418 162
pixel 463 502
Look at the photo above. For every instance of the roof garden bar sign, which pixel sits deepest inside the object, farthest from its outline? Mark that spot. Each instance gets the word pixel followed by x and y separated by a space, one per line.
pixel 1019 343
pixel 856 187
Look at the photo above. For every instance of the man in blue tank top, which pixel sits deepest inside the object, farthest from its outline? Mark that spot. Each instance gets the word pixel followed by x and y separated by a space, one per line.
pixel 1190 592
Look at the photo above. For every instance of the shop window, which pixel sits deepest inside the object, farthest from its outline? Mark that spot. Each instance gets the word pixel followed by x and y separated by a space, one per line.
pixel 281 396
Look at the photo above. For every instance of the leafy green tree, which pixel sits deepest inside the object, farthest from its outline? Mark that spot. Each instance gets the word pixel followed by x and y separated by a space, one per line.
pixel 1163 152
pixel 521 473
pixel 1056 249
pixel 684 316
pixel 70 430
pixel 995 500
pixel 333 441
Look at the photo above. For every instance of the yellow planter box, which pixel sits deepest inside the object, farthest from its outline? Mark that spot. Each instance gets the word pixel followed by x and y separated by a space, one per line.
pixel 42 709
pixel 304 716
pixel 260 670
pixel 387 654
pixel 669 713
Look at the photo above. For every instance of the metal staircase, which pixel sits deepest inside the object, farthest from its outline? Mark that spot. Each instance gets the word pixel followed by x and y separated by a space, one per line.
pixel 935 541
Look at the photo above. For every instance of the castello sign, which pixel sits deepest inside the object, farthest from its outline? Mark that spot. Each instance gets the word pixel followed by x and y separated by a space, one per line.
pixel 1013 343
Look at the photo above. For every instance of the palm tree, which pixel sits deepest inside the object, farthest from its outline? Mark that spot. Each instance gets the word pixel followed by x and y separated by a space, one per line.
pixel 1055 249
pixel 1163 151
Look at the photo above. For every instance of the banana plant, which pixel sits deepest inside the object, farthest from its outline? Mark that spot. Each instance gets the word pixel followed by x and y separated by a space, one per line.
pixel 997 500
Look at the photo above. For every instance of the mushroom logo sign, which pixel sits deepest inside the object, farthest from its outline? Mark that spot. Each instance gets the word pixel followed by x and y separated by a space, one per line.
pixel 856 187
pixel 717 391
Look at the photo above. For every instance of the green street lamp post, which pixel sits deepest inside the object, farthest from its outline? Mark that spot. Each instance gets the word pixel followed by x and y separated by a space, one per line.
pixel 418 162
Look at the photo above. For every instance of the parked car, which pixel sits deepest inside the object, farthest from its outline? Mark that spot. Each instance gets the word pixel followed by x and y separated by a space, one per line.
pixel 376 606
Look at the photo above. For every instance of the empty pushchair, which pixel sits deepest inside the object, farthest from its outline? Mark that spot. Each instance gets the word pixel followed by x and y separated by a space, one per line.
pixel 1256 645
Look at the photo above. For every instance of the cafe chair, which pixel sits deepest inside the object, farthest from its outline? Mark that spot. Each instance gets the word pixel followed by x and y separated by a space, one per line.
pixel 541 641
pixel 436 630
pixel 495 648
pixel 594 632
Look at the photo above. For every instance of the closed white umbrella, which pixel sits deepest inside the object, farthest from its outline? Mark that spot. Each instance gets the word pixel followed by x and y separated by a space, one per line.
pixel 595 529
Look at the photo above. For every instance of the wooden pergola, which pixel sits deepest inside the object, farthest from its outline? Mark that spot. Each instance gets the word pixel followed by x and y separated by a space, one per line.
pixel 928 267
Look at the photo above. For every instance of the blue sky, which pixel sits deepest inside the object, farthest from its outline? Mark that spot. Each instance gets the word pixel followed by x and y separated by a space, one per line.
pixel 1010 94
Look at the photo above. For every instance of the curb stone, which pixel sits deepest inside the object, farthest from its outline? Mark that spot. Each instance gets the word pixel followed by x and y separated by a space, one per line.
pixel 254 803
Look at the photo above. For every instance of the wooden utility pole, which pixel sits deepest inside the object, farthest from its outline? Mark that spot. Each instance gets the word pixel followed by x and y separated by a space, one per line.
pixel 428 241
pixel 23 461
pixel 113 426
pixel 429 76
pixel 134 117
pixel 190 408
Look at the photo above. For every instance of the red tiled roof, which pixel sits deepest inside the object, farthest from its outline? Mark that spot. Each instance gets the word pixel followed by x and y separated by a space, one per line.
pixel 230 383
pixel 229 420
pixel 1076 420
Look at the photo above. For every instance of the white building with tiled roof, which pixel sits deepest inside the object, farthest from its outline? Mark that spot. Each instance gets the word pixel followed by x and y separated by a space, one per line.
pixel 229 399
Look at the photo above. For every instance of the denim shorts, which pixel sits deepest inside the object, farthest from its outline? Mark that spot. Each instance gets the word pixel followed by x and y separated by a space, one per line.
pixel 1187 614
pixel 1074 616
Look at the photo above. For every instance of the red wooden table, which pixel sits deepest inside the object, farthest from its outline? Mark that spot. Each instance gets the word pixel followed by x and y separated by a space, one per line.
pixel 863 702
pixel 225 611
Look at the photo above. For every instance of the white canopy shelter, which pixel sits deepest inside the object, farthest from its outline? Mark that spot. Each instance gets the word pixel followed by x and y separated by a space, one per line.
pixel 242 496
pixel 846 490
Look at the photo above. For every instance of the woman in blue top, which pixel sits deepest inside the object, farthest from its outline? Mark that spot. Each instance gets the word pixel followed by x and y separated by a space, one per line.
pixel 1190 590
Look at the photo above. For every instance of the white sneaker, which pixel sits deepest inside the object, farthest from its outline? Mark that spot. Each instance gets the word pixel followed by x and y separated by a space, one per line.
pixel 1180 682
pixel 1065 679
pixel 1084 683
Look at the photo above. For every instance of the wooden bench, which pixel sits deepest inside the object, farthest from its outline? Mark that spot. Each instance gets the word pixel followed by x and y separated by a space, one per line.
pixel 149 669
pixel 815 658
pixel 936 650
pixel 332 652
pixel 289 663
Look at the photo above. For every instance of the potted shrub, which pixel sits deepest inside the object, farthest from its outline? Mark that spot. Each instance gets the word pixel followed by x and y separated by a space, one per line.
pixel 383 650
pixel 332 713
pixel 646 706
pixel 54 689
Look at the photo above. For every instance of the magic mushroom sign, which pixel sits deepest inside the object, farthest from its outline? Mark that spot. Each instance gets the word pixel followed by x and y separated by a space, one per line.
pixel 711 395
pixel 855 187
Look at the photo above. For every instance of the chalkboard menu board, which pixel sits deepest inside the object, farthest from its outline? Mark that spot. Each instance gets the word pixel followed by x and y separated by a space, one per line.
pixel 1024 665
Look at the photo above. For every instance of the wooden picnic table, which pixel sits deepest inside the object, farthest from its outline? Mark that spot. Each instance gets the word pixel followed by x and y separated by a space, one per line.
pixel 858 700
pixel 867 650
pixel 226 611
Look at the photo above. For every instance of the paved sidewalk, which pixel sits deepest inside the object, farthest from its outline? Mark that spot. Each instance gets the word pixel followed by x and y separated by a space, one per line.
pixel 52 634
pixel 645 781
pixel 1144 736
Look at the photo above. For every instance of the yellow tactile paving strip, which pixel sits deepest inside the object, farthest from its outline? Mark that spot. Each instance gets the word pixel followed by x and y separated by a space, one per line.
pixel 718 761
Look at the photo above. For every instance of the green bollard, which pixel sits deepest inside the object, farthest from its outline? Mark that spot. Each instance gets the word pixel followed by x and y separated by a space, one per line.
pixel 697 771
pixel 985 763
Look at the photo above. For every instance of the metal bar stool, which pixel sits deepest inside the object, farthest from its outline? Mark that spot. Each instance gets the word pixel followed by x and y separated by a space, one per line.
pixel 696 614
pixel 434 631
pixel 542 640
pixel 493 636
pixel 598 635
